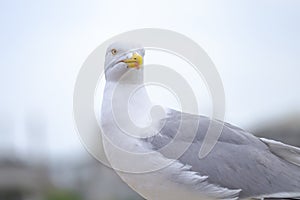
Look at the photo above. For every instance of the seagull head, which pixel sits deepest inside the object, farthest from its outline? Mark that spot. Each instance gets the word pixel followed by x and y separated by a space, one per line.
pixel 123 60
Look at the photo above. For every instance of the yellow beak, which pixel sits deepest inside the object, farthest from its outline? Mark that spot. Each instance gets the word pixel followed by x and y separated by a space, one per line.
pixel 136 61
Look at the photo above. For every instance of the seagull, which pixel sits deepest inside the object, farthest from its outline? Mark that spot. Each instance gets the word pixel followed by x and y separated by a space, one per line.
pixel 240 166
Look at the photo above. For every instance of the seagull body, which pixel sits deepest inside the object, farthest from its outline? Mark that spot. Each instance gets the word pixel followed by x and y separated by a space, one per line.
pixel 240 166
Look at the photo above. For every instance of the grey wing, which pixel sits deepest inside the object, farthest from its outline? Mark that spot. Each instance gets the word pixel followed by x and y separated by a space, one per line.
pixel 239 160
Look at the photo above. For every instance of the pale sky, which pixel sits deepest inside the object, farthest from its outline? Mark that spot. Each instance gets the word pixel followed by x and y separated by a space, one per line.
pixel 254 44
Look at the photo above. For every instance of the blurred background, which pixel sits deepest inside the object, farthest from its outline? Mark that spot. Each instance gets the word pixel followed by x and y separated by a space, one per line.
pixel 254 44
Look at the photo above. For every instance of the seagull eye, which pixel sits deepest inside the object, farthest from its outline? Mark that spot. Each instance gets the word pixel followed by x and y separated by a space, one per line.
pixel 114 51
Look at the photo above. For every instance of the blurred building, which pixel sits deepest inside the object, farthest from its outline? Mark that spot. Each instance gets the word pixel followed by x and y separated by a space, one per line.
pixel 82 179
pixel 92 180
pixel 33 175
pixel 20 181
pixel 285 129
pixel 19 177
